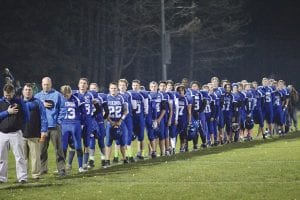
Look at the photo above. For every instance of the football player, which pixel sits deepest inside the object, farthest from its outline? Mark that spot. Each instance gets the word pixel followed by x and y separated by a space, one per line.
pixel 116 127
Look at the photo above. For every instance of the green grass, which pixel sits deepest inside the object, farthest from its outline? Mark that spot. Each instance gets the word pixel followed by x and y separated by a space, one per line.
pixel 260 169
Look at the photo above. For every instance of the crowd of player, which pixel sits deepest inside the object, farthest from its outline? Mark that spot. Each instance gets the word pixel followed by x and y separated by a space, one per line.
pixel 220 113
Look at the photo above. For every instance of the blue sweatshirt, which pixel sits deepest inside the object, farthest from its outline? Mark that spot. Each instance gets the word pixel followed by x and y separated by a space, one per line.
pixel 54 115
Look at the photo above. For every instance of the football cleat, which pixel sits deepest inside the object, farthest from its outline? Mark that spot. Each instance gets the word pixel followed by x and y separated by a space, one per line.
pixel 85 166
pixel 106 164
pixel 82 170
pixel 125 161
pixel 153 154
pixel 91 164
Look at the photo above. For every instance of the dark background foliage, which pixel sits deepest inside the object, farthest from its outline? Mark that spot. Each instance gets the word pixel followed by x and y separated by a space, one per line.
pixel 105 40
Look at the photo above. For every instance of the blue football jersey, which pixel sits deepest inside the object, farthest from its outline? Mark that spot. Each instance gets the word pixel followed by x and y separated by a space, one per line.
pixel 74 110
pixel 268 93
pixel 278 97
pixel 137 103
pixel 128 99
pixel 88 98
pixel 116 106
pixel 227 100
pixel 158 103
pixel 183 103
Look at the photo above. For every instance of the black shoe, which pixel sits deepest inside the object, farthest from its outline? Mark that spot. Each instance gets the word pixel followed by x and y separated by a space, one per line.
pixel 264 136
pixel 204 146
pixel 91 164
pixel 106 164
pixel 125 161
pixel 140 157
pixel 131 159
pixel 182 149
pixel 23 182
pixel 102 163
pixel 173 151
pixel 153 155
pixel 62 173
pixel 195 148
pixel 115 160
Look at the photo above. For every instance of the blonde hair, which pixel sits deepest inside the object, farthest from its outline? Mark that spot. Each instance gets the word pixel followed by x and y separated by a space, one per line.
pixel 65 89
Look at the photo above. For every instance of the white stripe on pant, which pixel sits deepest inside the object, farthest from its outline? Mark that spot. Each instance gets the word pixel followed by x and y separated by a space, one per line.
pixel 15 141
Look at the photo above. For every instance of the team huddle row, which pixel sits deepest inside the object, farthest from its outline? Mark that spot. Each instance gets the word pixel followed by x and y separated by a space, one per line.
pixel 77 120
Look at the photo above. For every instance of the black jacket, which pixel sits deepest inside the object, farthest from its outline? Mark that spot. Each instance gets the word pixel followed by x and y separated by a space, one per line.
pixel 15 122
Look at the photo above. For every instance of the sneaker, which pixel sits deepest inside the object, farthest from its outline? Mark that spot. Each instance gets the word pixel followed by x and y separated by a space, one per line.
pixel 115 160
pixel 81 170
pixel 91 164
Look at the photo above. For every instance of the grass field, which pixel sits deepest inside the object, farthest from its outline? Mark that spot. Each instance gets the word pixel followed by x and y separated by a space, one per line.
pixel 262 169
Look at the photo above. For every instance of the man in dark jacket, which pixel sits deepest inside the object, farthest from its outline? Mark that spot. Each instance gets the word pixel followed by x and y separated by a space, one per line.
pixel 13 116
pixel 36 127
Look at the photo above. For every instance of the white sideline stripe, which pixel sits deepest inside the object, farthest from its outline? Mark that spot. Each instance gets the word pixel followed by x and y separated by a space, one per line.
pixel 181 182
pixel 258 161
pixel 243 162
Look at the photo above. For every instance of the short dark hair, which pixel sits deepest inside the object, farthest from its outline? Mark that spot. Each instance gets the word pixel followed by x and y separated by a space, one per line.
pixel 8 88
pixel 162 82
pixel 195 82
pixel 84 79
pixel 170 82
pixel 28 85
pixel 136 81
pixel 113 83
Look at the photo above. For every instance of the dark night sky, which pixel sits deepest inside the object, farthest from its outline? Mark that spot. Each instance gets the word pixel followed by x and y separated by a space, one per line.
pixel 275 31
pixel 274 34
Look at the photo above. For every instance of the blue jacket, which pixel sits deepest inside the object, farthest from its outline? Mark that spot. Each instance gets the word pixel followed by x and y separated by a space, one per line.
pixel 54 115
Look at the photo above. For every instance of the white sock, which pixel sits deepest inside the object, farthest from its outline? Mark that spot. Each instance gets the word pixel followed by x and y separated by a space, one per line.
pixel 92 153
pixel 173 142
pixel 102 156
